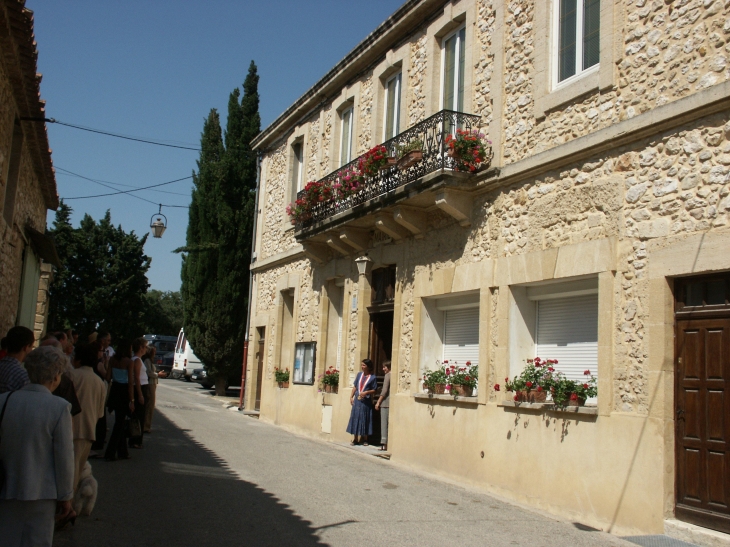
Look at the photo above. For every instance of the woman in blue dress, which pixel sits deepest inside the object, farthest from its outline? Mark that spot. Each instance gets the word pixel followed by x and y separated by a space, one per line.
pixel 361 416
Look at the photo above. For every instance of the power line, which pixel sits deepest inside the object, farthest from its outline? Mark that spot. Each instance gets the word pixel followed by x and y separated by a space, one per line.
pixel 130 191
pixel 101 182
pixel 117 135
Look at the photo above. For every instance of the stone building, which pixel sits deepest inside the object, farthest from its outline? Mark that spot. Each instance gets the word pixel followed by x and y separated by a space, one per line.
pixel 27 179
pixel 597 235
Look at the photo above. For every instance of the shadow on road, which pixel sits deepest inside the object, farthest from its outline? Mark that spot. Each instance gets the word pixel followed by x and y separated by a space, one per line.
pixel 177 492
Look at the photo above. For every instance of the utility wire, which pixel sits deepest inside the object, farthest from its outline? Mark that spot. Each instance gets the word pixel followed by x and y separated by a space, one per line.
pixel 129 192
pixel 115 184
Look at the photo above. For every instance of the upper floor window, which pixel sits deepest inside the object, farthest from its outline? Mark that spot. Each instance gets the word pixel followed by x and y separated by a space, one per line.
pixel 297 166
pixel 392 107
pixel 577 24
pixel 346 136
pixel 452 70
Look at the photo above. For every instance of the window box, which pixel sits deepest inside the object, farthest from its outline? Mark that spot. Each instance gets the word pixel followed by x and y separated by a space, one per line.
pixel 549 407
pixel 430 397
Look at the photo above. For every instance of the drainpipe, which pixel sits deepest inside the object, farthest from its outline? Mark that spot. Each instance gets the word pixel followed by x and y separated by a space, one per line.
pixel 250 280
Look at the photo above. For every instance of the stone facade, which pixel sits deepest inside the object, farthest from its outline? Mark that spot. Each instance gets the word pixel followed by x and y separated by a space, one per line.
pixel 627 184
pixel 34 187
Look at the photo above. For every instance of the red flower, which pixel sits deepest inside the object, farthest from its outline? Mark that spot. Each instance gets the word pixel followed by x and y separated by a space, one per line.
pixel 467 378
pixel 539 388
pixel 516 398
pixel 506 379
pixel 573 397
pixel 528 384
pixel 585 386
pixel 551 369
pixel 587 373
pixel 496 387
pixel 468 363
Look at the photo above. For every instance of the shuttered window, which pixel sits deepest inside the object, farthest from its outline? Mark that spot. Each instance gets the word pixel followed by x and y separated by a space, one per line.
pixel 567 330
pixel 461 336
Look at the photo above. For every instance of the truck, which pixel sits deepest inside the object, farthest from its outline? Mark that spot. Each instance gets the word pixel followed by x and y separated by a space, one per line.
pixel 185 360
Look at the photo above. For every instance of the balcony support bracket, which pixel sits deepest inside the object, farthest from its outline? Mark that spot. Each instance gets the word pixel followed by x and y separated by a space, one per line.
pixel 356 238
pixel 318 252
pixel 414 220
pixel 455 204
pixel 334 241
pixel 387 224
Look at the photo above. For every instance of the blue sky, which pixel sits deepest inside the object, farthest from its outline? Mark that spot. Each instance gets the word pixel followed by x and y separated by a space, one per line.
pixel 154 70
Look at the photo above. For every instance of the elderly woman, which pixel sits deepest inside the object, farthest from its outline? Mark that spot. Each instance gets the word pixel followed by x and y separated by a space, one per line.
pixel 36 450
pixel 361 415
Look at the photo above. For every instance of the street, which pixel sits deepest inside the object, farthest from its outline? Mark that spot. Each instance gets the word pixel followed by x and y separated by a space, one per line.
pixel 209 475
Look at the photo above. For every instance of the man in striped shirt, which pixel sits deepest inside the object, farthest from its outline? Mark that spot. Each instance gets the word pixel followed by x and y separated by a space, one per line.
pixel 12 374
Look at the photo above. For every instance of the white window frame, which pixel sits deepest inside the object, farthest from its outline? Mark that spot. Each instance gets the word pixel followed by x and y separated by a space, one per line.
pixel 396 107
pixel 298 164
pixel 351 111
pixel 555 45
pixel 456 69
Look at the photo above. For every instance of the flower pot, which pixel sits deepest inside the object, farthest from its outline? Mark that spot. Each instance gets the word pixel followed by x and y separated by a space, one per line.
pixel 392 162
pixel 410 158
pixel 532 396
pixel 327 388
pixel 462 391
pixel 576 402
pixel 283 384
pixel 438 389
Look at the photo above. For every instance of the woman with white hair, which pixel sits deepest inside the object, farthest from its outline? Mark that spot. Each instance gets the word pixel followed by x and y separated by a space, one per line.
pixel 36 451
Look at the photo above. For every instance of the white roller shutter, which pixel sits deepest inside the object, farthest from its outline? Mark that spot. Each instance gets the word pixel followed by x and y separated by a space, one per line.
pixel 461 336
pixel 567 330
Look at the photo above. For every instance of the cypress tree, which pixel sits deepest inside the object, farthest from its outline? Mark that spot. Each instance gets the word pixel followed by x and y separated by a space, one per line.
pixel 216 267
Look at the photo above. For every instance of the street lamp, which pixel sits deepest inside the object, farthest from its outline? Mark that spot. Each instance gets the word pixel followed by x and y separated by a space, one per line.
pixel 363 264
pixel 157 225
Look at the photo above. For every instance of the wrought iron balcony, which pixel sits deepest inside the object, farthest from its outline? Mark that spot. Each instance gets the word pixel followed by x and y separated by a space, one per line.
pixel 432 132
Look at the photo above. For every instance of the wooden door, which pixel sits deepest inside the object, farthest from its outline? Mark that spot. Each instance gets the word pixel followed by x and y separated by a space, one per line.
pixel 259 367
pixel 702 411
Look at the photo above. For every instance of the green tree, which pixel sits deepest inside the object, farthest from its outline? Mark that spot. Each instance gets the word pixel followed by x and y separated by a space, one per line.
pixel 215 268
pixel 103 281
pixel 163 312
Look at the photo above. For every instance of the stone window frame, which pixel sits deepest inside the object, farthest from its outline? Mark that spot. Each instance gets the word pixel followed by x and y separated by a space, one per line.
pixel 396 60
pixel 524 313
pixel 455 15
pixel 299 135
pixel 349 97
pixel 601 77
pixel 472 280
pixel 341 284
pixel 287 282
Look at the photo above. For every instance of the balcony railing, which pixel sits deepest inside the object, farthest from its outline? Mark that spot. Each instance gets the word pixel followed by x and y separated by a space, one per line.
pixel 432 132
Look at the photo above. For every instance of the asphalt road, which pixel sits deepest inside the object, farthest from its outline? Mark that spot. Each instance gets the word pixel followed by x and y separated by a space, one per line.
pixel 210 476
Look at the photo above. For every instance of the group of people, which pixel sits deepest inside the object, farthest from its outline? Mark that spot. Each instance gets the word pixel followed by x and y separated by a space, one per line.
pixel 361 399
pixel 53 417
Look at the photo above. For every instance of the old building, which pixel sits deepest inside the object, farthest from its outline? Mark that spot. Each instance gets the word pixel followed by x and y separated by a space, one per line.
pixel 27 180
pixel 597 235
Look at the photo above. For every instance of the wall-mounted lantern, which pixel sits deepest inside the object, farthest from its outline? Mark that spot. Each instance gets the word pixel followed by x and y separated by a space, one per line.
pixel 157 224
pixel 363 264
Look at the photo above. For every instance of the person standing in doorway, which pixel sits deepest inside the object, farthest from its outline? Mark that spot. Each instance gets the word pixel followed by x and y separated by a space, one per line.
pixel 361 415
pixel 383 405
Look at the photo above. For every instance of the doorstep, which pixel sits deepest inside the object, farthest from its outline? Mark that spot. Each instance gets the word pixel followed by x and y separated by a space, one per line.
pixel 251 413
pixel 691 533
pixel 371 450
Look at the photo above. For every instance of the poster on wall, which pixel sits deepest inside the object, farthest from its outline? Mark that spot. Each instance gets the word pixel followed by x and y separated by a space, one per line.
pixel 304 359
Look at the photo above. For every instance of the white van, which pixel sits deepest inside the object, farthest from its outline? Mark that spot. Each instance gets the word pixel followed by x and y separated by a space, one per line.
pixel 185 360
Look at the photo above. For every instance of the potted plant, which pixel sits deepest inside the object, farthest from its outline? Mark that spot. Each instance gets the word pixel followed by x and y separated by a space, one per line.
pixel 462 380
pixel 567 392
pixel 469 149
pixel 282 377
pixel 434 381
pixel 534 382
pixel 409 153
pixel 298 211
pixel 348 182
pixel 373 161
pixel 331 380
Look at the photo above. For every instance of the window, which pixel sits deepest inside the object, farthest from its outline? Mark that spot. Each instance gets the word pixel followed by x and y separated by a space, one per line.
pixel 556 321
pixel 304 360
pixel 346 136
pixel 453 70
pixel 449 330
pixel 336 294
pixel 11 185
pixel 297 166
pixel 577 24
pixel 461 336
pixel 391 123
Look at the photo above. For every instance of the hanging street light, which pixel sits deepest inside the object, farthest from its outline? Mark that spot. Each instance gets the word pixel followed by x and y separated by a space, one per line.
pixel 158 225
